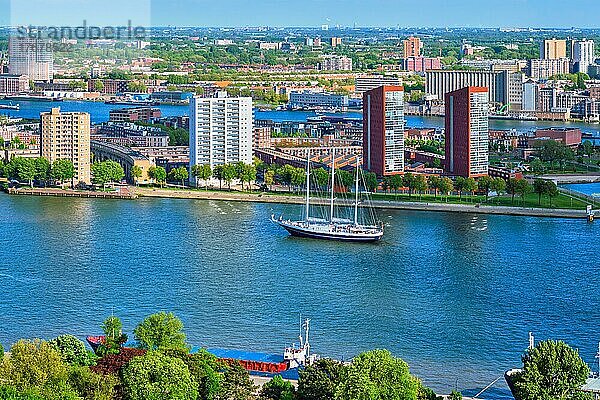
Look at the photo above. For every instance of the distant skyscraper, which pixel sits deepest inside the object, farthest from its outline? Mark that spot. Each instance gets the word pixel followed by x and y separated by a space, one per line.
pixel 67 136
pixel 31 56
pixel 220 130
pixel 383 130
pixel 553 49
pixel 467 132
pixel 335 41
pixel 583 52
pixel 412 47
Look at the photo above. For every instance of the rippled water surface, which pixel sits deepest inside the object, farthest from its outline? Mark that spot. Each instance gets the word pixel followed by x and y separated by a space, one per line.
pixel 453 294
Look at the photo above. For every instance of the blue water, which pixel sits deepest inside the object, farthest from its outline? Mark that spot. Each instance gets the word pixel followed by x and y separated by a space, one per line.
pixel 591 189
pixel 455 295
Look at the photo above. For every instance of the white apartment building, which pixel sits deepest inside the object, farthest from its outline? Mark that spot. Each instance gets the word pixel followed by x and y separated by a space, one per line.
pixel 31 56
pixel 335 63
pixel 583 55
pixel 365 83
pixel 220 130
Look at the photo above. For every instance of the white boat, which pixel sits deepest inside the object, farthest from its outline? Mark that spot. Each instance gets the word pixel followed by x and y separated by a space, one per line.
pixel 332 228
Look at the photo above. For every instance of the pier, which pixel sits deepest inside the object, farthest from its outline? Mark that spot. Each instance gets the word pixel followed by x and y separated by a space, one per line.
pixel 122 193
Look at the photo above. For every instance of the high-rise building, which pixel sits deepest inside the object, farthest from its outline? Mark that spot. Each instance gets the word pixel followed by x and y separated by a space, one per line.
pixel 383 130
pixel 220 130
pixel 335 41
pixel 544 69
pixel 467 132
pixel 440 82
pixel 66 136
pixel 421 64
pixel 31 56
pixel 364 83
pixel 583 52
pixel 412 47
pixel 553 49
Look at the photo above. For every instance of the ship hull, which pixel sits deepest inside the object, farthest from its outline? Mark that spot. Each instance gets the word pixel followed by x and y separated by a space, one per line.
pixel 323 235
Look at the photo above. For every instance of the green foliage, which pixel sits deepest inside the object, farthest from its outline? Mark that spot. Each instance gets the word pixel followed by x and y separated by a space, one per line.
pixel 344 178
pixel 456 395
pixel 371 181
pixel 114 337
pixel 277 389
pixel 1 353
pixel 204 368
pixel 73 351
pixel 320 176
pixel 229 174
pixel 42 169
pixel 236 384
pixel 23 169
pixel 158 174
pixel 156 376
pixel 552 370
pixel 160 331
pixel 136 172
pixel 107 171
pixel 377 375
pixel 321 380
pixel 485 185
pixel 179 174
pixel 92 386
pixel 32 364
pixel 62 170
pixel 202 172
pixel 498 185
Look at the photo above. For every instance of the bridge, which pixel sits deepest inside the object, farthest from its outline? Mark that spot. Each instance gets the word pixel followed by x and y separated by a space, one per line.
pixel 125 156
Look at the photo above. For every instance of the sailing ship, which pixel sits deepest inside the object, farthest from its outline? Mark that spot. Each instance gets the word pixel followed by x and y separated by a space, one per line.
pixel 332 228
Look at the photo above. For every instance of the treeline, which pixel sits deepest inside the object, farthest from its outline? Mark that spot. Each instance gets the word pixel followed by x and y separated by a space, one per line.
pixel 160 366
pixel 39 170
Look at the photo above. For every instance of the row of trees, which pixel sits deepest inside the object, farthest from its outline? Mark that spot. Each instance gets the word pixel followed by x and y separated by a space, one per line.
pixel 245 173
pixel 37 169
pixel 162 367
pixel 106 172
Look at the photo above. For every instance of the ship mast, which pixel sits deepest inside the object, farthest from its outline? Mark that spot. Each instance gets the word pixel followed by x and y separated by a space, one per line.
pixel 356 200
pixel 332 182
pixel 307 184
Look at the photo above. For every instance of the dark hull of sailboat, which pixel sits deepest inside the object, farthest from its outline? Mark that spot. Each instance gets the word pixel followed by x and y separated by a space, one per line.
pixel 342 237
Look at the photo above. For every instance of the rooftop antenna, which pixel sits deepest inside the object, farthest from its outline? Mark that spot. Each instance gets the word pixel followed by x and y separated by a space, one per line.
pixel 531 341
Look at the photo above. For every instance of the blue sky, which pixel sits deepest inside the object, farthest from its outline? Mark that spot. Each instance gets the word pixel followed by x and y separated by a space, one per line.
pixel 438 13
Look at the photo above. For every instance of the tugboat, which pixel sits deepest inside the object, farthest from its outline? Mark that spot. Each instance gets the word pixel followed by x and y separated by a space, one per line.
pixel 333 228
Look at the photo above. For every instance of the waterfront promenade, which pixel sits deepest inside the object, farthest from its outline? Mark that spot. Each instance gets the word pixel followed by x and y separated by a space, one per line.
pixel 394 205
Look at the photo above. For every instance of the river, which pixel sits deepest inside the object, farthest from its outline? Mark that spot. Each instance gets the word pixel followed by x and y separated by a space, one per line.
pixel 455 295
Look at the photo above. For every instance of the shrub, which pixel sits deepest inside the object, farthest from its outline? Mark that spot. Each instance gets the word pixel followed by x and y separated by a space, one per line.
pixel 73 351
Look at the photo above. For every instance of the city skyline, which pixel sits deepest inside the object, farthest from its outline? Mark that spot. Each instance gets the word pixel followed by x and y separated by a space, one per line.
pixel 311 13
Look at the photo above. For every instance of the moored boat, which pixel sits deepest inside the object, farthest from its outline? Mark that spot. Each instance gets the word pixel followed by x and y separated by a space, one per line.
pixel 333 228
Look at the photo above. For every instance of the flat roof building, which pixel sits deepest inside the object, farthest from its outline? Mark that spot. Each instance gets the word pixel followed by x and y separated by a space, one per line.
pixel 553 49
pixel 31 56
pixel 383 130
pixel 412 47
pixel 67 136
pixel 467 132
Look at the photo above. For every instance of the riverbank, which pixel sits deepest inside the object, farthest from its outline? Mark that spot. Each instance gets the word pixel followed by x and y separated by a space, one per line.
pixel 382 204
pixel 124 193
pixel 565 179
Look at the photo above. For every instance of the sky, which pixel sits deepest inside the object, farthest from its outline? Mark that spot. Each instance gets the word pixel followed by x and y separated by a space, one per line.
pixel 309 13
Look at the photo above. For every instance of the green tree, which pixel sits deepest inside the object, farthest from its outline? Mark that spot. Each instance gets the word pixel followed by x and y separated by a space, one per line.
pixel 107 171
pixel 420 183
pixel 397 182
pixel 320 380
pixel 157 174
pixel 460 186
pixel 470 185
pixel 158 377
pixel 229 174
pixel 202 172
pixel 434 183
pixel 409 181
pixel 498 186
pixel 377 374
pixel 551 191
pixel 269 178
pixel 218 173
pixel 73 351
pixel 42 170
pixel 511 188
pixel 236 384
pixel 552 370
pixel 114 337
pixel 537 166
pixel 160 331
pixel 248 174
pixel 32 364
pixel 179 174
pixel 277 389
pixel 539 187
pixel 522 188
pixel 371 182
pixel 23 169
pixel 204 368
pixel 456 395
pixel 344 178
pixel 136 173
pixel 485 184
pixel 92 386
pixel 446 185
pixel 320 177
pixel 298 177
pixel 62 170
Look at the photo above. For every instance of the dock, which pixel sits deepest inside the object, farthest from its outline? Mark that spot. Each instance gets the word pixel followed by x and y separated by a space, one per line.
pixel 122 194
